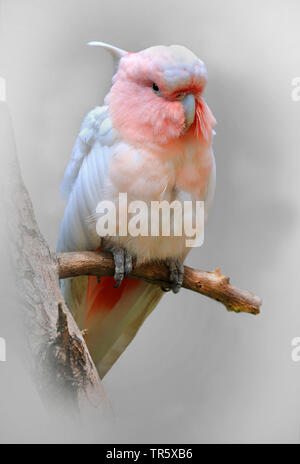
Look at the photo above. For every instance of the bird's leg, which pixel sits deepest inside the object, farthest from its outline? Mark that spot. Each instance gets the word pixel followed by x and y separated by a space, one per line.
pixel 118 255
pixel 128 262
pixel 176 273
pixel 123 264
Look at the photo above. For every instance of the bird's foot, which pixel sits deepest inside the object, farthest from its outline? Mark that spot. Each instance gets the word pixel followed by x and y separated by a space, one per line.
pixel 176 273
pixel 123 264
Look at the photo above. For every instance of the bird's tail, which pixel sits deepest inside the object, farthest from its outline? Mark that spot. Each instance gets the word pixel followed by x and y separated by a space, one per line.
pixel 111 316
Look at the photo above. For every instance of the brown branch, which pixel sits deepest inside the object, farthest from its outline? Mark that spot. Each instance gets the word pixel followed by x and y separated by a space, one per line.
pixel 211 284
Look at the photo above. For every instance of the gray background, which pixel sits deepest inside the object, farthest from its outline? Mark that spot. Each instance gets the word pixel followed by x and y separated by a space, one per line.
pixel 194 372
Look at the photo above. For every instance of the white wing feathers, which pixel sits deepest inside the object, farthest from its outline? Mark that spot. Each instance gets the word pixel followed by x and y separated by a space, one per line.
pixel 83 185
pixel 84 181
pixel 96 126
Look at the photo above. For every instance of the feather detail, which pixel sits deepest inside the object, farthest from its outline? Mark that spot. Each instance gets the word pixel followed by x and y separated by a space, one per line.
pixel 96 126
pixel 113 316
pixel 204 120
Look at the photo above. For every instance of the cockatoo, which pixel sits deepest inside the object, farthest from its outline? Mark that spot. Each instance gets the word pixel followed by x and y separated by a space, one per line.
pixel 152 139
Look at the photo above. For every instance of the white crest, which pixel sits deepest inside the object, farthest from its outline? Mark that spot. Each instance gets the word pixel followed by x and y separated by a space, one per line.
pixel 117 53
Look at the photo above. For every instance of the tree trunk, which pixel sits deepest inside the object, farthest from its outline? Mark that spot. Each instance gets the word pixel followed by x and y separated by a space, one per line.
pixel 57 354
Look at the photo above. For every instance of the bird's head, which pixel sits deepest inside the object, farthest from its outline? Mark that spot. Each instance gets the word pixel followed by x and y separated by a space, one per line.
pixel 156 95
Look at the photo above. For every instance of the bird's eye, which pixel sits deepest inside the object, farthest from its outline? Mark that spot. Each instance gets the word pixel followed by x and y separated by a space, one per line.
pixel 155 87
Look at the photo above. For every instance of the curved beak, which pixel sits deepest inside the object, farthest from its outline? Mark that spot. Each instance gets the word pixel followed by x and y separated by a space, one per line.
pixel 189 106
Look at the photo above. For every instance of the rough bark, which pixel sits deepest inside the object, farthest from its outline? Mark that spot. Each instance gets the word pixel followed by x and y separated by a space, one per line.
pixel 58 356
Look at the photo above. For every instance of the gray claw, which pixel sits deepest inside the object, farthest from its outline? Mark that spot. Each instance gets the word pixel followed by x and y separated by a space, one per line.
pixel 118 254
pixel 128 264
pixel 176 273
pixel 180 272
pixel 123 264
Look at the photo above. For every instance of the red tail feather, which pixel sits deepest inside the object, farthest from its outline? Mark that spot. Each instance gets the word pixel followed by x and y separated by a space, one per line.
pixel 103 296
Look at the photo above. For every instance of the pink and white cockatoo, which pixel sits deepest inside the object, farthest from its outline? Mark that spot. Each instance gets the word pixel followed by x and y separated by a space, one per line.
pixel 153 140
